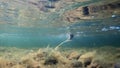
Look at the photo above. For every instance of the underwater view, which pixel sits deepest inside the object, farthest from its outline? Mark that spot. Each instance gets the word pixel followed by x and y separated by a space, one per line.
pixel 59 33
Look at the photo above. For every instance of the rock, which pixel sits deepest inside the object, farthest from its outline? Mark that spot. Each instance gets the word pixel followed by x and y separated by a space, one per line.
pixel 117 56
pixel 18 66
pixel 101 64
pixel 30 63
pixel 86 59
pixel 87 62
pixel 117 65
pixel 62 59
pixel 106 65
pixel 74 55
pixel 33 67
pixel 51 61
pixel 10 64
pixel 3 63
pixel 89 55
pixel 76 64
pixel 93 65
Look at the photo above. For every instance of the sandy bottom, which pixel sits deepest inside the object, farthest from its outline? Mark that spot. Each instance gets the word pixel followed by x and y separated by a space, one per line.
pixel 95 57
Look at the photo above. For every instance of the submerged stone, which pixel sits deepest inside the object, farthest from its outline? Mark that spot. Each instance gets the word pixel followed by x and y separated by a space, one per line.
pixel 117 65
pixel 87 62
pixel 76 64
pixel 51 61
pixel 73 55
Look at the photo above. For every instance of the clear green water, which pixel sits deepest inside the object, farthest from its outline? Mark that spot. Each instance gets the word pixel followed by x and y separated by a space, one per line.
pixel 23 25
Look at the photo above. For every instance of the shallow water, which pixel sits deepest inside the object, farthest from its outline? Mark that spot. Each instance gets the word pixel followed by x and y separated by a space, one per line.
pixel 26 28
pixel 24 25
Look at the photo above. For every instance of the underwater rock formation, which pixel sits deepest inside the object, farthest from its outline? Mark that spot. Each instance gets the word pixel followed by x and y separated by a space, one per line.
pixel 117 65
pixel 51 61
pixel 87 58
pixel 73 55
pixel 50 58
pixel 76 64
